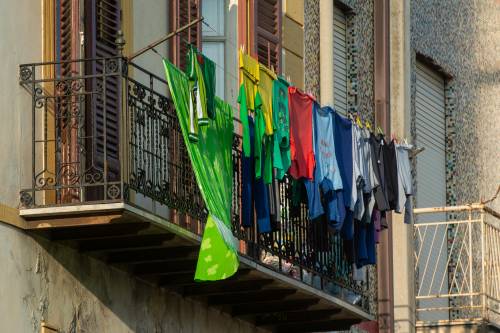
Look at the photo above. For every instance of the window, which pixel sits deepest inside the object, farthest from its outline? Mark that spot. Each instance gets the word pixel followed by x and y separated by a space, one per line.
pixel 430 134
pixel 213 39
pixel 340 60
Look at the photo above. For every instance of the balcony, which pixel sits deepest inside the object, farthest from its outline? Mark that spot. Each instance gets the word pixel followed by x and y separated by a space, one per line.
pixel 110 176
pixel 457 268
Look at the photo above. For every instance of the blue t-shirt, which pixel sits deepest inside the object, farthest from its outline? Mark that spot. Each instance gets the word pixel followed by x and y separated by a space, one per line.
pixel 343 150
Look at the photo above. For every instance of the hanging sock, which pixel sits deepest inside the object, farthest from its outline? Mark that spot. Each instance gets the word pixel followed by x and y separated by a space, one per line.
pixel 211 159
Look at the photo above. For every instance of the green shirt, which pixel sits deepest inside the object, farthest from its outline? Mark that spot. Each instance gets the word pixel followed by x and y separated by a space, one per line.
pixel 208 70
pixel 242 100
pixel 195 75
pixel 260 129
pixel 281 127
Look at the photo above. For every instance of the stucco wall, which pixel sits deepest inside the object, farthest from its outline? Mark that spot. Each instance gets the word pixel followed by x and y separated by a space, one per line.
pixel 360 33
pixel 40 280
pixel 462 37
pixel 20 42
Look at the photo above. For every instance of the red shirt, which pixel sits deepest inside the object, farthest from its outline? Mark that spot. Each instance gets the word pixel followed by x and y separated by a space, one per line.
pixel 301 139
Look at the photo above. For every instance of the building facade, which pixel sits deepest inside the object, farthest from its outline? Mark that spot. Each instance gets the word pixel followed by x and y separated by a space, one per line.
pixel 101 213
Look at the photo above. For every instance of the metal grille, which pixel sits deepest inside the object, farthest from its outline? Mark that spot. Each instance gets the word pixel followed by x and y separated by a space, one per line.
pixel 457 265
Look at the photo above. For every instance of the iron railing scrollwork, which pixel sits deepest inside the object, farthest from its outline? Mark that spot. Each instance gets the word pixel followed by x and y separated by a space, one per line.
pixel 68 167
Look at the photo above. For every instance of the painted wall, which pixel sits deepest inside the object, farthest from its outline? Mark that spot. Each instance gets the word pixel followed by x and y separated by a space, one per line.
pixel 20 42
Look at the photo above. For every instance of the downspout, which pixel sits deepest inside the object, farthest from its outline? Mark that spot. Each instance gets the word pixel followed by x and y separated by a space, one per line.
pixel 382 119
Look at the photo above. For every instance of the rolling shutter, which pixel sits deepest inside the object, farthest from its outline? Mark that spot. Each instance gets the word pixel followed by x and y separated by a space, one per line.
pixel 184 12
pixel 430 133
pixel 268 33
pixel 431 185
pixel 340 61
pixel 102 22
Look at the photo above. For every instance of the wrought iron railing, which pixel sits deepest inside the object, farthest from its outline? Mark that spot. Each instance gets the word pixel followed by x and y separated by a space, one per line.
pixel 457 265
pixel 104 130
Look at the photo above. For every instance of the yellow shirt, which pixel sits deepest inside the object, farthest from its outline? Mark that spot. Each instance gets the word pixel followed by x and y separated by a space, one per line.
pixel 249 69
pixel 266 80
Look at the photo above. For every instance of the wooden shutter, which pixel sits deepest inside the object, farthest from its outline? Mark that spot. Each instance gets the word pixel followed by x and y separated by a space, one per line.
pixel 267 34
pixel 67 48
pixel 102 22
pixel 340 61
pixel 183 12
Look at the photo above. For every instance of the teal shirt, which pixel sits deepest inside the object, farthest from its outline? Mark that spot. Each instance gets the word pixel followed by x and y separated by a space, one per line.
pixel 281 126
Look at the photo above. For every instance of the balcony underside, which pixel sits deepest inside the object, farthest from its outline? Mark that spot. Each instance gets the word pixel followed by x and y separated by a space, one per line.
pixel 164 254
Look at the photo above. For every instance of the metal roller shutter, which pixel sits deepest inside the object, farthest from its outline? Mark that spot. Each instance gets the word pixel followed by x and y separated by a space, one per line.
pixel 430 133
pixel 340 61
pixel 431 187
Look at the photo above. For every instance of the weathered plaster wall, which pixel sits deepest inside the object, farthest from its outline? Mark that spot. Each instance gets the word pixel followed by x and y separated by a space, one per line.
pixel 20 42
pixel 463 38
pixel 40 280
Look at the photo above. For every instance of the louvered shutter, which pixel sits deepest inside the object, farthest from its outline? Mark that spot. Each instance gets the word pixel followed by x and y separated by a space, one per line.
pixel 67 48
pixel 268 32
pixel 430 133
pixel 184 12
pixel 340 61
pixel 102 20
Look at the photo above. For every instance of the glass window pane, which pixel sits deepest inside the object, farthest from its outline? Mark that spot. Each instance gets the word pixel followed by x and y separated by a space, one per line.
pixel 213 12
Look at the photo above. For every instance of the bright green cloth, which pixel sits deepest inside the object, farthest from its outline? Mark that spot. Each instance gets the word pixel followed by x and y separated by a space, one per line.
pixel 281 126
pixel 242 100
pixel 211 158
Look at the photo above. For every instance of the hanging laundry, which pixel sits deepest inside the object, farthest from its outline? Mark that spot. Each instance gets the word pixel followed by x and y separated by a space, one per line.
pixel 281 128
pixel 380 192
pixel 265 88
pixel 198 100
pixel 357 205
pixel 262 144
pixel 405 186
pixel 301 145
pixel 247 142
pixel 209 78
pixel 327 180
pixel 391 173
pixel 249 74
pixel 343 149
pixel 211 158
pixel 274 203
pixel 254 193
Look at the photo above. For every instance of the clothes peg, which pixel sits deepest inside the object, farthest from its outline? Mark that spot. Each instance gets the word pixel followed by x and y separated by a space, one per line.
pixel 368 125
pixel 358 121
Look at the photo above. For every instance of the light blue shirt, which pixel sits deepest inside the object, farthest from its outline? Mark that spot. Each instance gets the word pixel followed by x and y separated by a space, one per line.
pixel 324 146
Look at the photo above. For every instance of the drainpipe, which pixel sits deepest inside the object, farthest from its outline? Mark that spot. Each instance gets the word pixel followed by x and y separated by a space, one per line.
pixel 326 51
pixel 382 119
